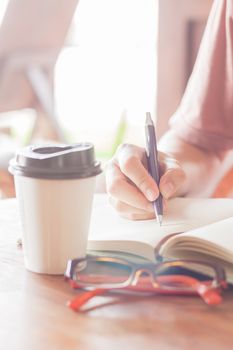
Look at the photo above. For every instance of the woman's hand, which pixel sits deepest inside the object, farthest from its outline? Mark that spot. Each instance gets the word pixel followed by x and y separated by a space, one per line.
pixel 130 187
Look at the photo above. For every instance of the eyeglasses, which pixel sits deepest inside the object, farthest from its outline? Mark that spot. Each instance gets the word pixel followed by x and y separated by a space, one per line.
pixel 101 274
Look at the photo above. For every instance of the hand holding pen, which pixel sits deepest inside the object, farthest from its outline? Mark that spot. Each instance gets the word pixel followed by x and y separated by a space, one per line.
pixel 153 164
pixel 132 191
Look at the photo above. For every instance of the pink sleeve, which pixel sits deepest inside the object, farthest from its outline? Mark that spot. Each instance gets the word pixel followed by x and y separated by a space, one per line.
pixel 205 114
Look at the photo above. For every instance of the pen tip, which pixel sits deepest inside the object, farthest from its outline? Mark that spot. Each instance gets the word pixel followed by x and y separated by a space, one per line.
pixel 148 118
pixel 160 219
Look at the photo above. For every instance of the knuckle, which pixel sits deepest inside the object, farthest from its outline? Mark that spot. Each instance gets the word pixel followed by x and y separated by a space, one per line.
pixel 122 147
pixel 113 187
pixel 128 164
pixel 139 216
pixel 132 216
pixel 119 206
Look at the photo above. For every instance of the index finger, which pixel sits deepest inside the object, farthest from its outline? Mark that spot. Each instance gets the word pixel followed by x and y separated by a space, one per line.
pixel 131 165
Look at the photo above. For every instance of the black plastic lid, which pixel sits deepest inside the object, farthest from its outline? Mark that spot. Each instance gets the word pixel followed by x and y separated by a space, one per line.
pixel 52 161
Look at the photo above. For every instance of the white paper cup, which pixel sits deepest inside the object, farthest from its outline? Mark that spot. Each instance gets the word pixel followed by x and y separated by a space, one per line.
pixel 55 212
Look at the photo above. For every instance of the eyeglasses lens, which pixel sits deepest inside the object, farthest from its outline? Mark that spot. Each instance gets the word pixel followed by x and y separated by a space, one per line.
pixel 183 275
pixel 98 272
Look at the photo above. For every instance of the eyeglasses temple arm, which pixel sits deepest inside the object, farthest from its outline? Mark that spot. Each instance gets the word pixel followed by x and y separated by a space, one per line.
pixel 209 295
pixel 76 303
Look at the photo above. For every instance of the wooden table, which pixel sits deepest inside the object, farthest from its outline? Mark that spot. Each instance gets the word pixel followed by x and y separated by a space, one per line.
pixel 34 315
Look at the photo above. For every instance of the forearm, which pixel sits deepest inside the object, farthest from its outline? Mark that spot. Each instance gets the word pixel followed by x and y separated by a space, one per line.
pixel 202 168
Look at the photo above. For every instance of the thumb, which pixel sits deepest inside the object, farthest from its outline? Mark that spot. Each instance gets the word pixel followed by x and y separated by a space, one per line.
pixel 172 182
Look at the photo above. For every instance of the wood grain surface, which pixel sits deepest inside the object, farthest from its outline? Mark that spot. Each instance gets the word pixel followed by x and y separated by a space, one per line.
pixel 34 315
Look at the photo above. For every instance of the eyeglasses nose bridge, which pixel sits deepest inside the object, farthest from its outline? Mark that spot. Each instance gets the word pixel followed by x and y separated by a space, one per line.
pixel 139 272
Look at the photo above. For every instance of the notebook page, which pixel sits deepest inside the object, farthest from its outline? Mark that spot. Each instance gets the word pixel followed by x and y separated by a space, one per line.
pixel 215 239
pixel 108 231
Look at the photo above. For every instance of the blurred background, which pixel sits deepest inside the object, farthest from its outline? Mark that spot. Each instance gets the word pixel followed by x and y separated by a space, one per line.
pixel 88 70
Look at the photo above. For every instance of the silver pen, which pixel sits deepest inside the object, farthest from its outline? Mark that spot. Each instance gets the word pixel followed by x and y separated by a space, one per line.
pixel 153 164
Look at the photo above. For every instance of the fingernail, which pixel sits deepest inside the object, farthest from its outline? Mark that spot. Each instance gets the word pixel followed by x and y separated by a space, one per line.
pixel 150 194
pixel 167 189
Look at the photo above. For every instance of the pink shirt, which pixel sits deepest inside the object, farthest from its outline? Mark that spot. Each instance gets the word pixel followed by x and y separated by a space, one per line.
pixel 205 114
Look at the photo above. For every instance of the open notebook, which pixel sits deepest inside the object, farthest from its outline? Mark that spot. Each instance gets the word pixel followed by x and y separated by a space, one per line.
pixel 207 226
